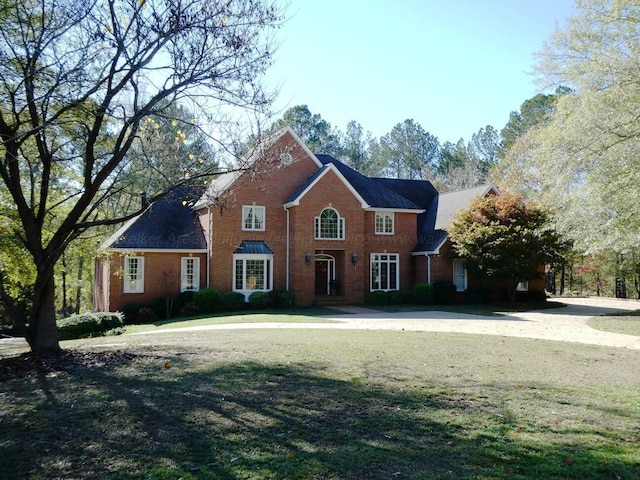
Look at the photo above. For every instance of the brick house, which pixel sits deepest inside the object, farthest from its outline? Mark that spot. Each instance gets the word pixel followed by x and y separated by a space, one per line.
pixel 289 220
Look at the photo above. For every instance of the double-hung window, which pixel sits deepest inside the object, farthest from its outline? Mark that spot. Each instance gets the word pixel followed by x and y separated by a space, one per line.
pixel 384 223
pixel 133 274
pixel 329 225
pixel 252 272
pixel 385 269
pixel 190 274
pixel 459 274
pixel 252 217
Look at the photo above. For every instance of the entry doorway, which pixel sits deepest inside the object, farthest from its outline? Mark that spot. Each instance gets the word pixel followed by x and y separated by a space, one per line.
pixel 325 273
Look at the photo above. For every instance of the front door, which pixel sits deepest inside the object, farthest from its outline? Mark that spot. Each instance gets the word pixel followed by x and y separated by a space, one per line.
pixel 325 273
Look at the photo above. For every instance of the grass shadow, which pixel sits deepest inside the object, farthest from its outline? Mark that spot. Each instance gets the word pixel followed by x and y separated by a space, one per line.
pixel 167 417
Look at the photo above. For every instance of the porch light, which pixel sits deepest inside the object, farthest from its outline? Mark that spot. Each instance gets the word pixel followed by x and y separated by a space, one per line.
pixel 354 258
pixel 307 257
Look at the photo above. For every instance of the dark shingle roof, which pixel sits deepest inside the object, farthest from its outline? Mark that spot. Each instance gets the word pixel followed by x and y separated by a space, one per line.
pixel 376 194
pixel 167 224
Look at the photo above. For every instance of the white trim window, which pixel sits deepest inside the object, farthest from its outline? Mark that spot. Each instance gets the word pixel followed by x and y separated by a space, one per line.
pixel 384 223
pixel 252 273
pixel 329 225
pixel 190 274
pixel 460 274
pixel 253 217
pixel 385 271
pixel 133 274
pixel 522 286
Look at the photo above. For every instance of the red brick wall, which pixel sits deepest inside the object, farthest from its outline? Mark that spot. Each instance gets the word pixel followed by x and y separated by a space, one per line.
pixel 161 277
pixel 329 191
pixel 267 186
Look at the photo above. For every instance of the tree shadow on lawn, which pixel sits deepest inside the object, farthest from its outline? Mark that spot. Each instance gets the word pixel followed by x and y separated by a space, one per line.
pixel 163 419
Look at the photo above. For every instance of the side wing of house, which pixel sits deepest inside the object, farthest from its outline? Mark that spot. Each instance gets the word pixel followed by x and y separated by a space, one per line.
pixel 158 254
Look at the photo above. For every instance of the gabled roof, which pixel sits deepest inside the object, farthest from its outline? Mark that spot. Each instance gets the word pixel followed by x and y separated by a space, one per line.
pixel 433 223
pixel 167 224
pixel 223 182
pixel 451 202
pixel 371 193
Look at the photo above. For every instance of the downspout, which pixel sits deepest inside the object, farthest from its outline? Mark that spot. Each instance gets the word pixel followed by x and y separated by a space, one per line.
pixel 209 242
pixel 428 267
pixel 287 254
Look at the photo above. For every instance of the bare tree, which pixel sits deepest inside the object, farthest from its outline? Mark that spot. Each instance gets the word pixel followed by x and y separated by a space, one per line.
pixel 77 80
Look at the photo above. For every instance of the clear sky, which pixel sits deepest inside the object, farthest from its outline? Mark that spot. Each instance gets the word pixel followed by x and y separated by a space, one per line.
pixel 454 66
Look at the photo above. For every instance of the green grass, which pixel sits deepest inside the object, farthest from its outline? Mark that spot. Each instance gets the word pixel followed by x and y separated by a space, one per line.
pixel 309 315
pixel 627 323
pixel 329 404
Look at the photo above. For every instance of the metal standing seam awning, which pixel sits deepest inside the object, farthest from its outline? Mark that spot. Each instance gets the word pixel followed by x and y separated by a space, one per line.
pixel 253 247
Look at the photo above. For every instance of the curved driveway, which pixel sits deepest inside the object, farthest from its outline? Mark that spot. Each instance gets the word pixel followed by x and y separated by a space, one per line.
pixel 567 324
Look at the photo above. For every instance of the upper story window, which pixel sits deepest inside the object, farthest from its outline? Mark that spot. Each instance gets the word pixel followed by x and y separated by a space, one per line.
pixel 384 223
pixel 252 217
pixel 133 274
pixel 329 225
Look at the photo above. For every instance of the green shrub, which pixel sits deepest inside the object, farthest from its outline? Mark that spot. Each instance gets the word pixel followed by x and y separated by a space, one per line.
pixel 476 295
pixel 206 299
pixel 444 292
pixel 189 310
pixel 159 307
pixel 110 320
pixel 182 299
pixel 146 315
pixel 533 296
pixel 378 297
pixel 407 297
pixel 233 301
pixel 423 293
pixel 130 311
pixel 281 298
pixel 259 300
pixel 88 325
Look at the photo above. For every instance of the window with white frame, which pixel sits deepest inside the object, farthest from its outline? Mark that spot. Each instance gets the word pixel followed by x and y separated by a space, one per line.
pixel 133 274
pixel 252 217
pixel 190 274
pixel 384 223
pixel 329 225
pixel 522 286
pixel 385 268
pixel 460 274
pixel 252 272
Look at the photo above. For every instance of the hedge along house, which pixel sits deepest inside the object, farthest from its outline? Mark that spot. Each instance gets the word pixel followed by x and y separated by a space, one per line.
pixel 292 220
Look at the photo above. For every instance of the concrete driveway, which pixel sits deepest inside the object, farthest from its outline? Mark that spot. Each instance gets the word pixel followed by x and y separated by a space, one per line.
pixel 566 324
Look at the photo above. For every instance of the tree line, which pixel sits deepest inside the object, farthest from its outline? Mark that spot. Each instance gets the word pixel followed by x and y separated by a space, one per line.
pixel 408 151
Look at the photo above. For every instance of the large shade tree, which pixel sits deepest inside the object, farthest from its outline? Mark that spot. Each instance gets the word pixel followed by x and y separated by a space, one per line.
pixel 504 238
pixel 78 79
pixel 588 155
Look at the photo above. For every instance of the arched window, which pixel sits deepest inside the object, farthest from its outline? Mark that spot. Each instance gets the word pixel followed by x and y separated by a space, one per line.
pixel 329 225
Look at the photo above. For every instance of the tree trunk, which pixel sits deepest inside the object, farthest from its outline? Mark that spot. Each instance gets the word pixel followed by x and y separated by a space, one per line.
pixel 42 333
pixel 79 287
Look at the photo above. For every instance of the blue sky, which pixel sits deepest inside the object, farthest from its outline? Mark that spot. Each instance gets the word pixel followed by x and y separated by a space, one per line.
pixel 454 66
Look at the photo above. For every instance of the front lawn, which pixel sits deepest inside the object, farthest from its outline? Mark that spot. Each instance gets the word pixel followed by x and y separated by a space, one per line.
pixel 627 323
pixel 323 404
pixel 290 316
